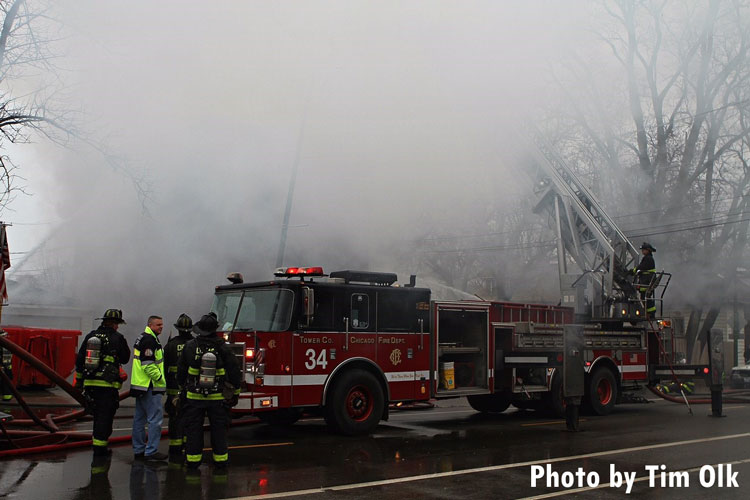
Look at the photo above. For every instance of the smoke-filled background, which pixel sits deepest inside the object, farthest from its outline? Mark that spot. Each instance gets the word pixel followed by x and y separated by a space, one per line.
pixel 400 116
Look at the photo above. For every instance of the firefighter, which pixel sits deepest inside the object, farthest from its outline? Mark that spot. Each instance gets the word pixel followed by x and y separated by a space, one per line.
pixel 211 376
pixel 148 383
pixel 174 402
pixel 644 274
pixel 6 365
pixel 102 353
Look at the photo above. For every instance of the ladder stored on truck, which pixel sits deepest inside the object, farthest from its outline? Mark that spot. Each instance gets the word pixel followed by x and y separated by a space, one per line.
pixel 603 286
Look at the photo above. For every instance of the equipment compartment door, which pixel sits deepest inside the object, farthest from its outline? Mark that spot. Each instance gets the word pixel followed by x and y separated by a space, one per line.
pixel 463 346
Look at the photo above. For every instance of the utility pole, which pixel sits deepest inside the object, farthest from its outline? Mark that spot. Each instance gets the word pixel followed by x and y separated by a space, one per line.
pixel 290 192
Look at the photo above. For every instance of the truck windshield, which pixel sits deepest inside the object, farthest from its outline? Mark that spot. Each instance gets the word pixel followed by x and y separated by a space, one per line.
pixel 266 310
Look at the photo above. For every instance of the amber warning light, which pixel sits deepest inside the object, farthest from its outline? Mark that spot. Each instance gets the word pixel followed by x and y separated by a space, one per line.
pixel 299 271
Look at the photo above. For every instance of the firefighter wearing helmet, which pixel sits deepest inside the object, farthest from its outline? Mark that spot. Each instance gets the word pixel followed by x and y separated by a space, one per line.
pixel 644 274
pixel 211 378
pixel 175 402
pixel 6 365
pixel 100 357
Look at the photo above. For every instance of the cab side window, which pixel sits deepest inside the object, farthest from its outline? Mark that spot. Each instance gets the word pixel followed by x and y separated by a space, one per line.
pixel 324 313
pixel 360 317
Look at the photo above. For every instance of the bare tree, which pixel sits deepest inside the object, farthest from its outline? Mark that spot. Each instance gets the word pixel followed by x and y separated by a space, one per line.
pixel 677 142
pixel 25 41
pixel 33 98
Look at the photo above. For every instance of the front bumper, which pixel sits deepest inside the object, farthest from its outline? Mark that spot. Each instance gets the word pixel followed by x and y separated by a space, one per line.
pixel 257 402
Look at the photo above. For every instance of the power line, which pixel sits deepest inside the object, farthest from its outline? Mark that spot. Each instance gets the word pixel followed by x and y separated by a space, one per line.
pixel 551 243
pixel 691 228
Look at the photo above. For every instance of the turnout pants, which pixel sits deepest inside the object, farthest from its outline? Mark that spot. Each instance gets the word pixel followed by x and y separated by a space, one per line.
pixel 106 402
pixel 176 426
pixel 195 412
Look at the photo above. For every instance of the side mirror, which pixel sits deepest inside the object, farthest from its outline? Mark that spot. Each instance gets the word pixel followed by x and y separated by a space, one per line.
pixel 308 301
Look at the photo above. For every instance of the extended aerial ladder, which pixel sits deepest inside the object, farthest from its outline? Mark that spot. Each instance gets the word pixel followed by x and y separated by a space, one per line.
pixel 602 287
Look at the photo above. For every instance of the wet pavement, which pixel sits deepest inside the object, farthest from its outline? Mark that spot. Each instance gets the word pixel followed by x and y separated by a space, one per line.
pixel 446 452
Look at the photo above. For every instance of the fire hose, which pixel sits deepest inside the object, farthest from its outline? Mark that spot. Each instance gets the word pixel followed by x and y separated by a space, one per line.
pixel 698 401
pixel 43 368
pixel 66 439
pixel 76 394
pixel 82 440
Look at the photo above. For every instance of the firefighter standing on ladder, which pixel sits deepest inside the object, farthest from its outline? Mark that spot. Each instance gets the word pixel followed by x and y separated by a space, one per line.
pixel 211 377
pixel 644 274
pixel 175 404
pixel 102 353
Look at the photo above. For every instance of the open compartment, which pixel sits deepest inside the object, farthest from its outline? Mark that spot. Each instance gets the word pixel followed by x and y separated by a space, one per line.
pixel 463 344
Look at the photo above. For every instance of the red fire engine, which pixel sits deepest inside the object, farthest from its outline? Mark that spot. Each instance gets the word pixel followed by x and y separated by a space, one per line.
pixel 352 342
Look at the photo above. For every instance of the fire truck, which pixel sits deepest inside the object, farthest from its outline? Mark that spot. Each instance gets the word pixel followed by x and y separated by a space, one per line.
pixel 350 344
pixel 353 343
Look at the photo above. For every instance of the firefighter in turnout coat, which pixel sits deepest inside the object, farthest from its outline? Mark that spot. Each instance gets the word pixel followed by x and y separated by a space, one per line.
pixel 174 406
pixel 211 377
pixel 644 274
pixel 98 363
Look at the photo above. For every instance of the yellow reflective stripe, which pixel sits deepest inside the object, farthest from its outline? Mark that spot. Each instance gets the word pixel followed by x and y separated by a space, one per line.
pixel 136 352
pixel 221 458
pixel 100 383
pixel 7 397
pixel 99 442
pixel 193 371
pixel 194 458
pixel 220 371
pixel 237 391
pixel 175 442
pixel 111 359
pixel 173 392
pixel 172 369
pixel 217 396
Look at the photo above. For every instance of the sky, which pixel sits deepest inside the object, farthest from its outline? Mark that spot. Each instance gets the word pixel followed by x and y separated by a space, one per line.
pixel 398 115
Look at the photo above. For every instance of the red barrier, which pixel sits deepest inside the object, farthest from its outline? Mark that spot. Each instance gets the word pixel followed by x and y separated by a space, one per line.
pixel 54 347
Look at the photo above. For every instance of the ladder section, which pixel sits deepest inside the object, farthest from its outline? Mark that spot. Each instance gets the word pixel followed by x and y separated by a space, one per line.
pixel 585 232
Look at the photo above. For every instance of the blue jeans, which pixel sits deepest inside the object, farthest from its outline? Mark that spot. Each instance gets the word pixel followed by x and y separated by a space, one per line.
pixel 148 409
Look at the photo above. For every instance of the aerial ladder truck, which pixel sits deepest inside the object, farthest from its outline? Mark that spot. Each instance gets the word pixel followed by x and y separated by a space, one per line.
pixel 596 264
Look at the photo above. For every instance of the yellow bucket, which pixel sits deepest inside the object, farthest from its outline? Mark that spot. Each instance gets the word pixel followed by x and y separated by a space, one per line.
pixel 447 376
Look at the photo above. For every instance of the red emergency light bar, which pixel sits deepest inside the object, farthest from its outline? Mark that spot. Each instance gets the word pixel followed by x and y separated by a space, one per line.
pixel 299 271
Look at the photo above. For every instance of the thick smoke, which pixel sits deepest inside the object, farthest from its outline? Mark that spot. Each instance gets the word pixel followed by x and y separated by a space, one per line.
pixel 398 112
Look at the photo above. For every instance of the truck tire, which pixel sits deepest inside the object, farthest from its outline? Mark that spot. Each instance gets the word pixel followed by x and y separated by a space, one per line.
pixel 284 417
pixel 602 391
pixel 355 403
pixel 489 403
